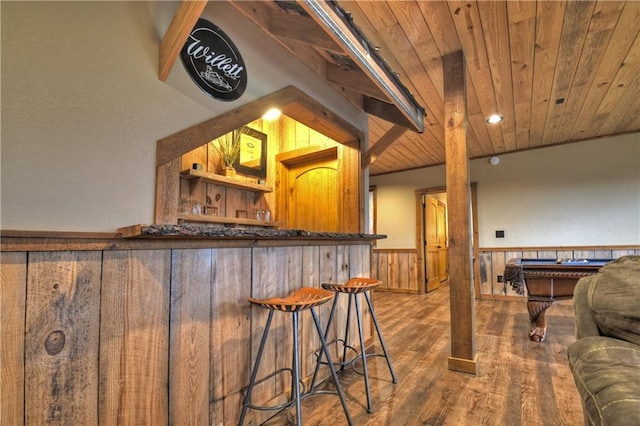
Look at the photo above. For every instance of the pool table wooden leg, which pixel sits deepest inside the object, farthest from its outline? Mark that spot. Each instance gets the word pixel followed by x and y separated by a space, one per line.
pixel 537 309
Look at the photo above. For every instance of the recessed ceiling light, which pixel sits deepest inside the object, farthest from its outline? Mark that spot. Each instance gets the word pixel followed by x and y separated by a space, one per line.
pixel 495 118
pixel 272 114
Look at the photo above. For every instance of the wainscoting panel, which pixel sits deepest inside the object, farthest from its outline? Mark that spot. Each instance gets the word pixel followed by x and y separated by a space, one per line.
pixel 156 336
pixel 397 269
pixel 492 262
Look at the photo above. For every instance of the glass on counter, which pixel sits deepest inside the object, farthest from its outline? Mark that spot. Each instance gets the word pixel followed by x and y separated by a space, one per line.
pixel 261 214
pixel 188 206
pixel 185 206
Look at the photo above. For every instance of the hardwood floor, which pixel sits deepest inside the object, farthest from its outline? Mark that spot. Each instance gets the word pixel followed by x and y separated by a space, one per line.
pixel 519 382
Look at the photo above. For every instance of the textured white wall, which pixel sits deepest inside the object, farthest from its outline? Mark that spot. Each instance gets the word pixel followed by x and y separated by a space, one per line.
pixel 82 107
pixel 587 193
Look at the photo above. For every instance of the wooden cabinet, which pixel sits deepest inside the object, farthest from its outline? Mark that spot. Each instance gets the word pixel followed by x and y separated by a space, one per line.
pixel 234 201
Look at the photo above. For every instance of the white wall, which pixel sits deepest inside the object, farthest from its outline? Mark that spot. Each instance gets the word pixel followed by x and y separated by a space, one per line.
pixel 587 193
pixel 82 107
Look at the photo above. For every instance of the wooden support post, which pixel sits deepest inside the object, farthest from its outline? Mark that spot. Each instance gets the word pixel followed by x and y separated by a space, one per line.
pixel 458 203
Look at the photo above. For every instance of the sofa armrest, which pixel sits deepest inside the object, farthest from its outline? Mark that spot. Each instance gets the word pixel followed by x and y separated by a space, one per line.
pixel 585 322
pixel 611 300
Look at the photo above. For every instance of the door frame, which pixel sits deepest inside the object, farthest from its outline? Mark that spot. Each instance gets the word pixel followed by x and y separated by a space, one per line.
pixel 420 229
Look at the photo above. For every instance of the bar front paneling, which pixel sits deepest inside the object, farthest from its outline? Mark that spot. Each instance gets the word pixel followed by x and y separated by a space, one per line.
pixel 190 336
pixel 156 330
pixel 13 296
pixel 62 337
pixel 134 337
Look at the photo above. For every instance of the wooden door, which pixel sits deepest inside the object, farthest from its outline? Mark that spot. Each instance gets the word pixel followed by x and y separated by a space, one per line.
pixel 436 252
pixel 432 267
pixel 443 251
pixel 312 202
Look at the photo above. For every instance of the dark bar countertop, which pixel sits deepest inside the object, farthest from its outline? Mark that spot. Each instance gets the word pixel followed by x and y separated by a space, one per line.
pixel 174 236
pixel 199 231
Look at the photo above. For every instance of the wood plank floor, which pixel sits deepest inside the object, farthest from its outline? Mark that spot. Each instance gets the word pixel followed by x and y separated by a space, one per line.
pixel 519 382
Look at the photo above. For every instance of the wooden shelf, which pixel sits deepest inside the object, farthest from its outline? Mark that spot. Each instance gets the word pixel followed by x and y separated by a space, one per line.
pixel 225 220
pixel 196 177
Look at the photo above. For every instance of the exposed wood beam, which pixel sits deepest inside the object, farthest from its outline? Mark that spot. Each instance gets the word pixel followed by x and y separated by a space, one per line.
pixel 292 101
pixel 192 137
pixel 459 211
pixel 355 80
pixel 385 110
pixel 183 22
pixel 302 29
pixel 383 143
pixel 333 21
pixel 259 13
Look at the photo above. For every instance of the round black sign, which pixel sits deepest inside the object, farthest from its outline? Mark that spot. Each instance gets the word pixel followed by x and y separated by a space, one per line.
pixel 213 62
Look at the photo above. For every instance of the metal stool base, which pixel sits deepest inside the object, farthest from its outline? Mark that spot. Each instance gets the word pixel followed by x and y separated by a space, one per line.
pixel 305 298
pixel 358 285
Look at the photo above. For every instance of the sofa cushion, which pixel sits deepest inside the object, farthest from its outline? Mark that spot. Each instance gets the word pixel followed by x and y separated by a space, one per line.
pixel 614 299
pixel 607 375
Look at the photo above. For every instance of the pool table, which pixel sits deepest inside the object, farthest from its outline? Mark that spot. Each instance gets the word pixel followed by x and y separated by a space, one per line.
pixel 547 280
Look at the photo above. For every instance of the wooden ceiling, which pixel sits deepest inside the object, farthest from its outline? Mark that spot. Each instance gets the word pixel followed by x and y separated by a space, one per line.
pixel 556 71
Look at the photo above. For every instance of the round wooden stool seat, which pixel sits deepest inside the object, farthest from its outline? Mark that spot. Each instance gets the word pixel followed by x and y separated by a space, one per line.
pixel 354 285
pixel 304 298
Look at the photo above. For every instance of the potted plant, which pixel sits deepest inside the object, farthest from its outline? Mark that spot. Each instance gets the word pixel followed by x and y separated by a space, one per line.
pixel 228 148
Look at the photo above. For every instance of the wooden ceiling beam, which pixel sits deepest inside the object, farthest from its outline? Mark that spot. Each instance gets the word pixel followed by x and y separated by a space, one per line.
pixel 183 22
pixel 335 23
pixel 302 29
pixel 385 110
pixel 292 101
pixel 355 80
pixel 382 144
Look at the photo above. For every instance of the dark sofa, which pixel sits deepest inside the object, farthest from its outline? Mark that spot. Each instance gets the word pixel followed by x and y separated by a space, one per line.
pixel 605 359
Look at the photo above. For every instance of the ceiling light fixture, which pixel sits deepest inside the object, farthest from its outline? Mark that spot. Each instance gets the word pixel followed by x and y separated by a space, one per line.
pixel 494 161
pixel 495 118
pixel 272 114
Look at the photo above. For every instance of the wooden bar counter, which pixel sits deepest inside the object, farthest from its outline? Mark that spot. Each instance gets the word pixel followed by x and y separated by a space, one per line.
pixel 151 325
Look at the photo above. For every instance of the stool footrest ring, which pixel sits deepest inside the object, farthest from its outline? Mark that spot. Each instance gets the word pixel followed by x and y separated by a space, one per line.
pixel 353 289
pixel 342 364
pixel 265 378
pixel 305 298
pixel 306 395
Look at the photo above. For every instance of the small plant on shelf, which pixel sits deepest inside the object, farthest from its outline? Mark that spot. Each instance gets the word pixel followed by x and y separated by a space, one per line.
pixel 228 148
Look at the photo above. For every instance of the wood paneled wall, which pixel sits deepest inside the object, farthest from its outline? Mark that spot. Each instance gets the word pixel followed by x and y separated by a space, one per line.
pixel 154 337
pixel 305 124
pixel 227 199
pixel 397 269
pixel 287 136
pixel 492 262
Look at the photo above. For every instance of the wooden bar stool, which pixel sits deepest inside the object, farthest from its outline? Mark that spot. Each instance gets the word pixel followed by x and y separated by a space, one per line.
pixel 353 288
pixel 306 298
